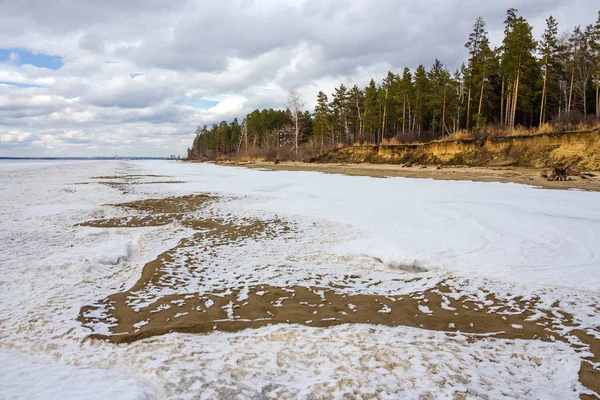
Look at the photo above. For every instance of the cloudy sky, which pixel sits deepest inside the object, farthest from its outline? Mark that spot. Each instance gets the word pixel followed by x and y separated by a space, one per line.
pixel 135 77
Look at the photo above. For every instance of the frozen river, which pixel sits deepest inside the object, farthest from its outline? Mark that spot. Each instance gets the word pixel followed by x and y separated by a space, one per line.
pixel 356 236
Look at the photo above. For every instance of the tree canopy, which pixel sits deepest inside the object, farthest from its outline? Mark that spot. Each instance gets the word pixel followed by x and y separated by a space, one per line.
pixel 523 82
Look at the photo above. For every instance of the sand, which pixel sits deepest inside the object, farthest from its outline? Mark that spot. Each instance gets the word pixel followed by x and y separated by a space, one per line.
pixel 528 176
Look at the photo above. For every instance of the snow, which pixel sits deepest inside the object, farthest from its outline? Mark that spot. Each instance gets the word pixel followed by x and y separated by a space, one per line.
pixel 425 309
pixel 363 361
pixel 507 232
pixel 23 379
pixel 512 240
pixel 385 310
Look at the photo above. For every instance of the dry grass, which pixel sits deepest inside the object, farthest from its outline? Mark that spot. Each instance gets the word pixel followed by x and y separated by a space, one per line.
pixel 390 142
pixel 460 135
pixel 546 128
pixel 501 131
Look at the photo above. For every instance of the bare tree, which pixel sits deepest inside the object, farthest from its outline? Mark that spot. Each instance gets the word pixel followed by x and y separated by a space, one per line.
pixel 243 136
pixel 295 104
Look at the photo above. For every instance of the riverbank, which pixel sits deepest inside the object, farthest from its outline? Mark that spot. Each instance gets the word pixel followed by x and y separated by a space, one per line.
pixel 589 181
pixel 576 149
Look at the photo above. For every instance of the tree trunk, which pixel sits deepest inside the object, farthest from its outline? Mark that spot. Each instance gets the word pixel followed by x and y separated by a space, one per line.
pixel 404 115
pixel 415 124
pixel 515 101
pixel 359 133
pixel 297 133
pixel 571 93
pixel 598 96
pixel 469 109
pixel 457 123
pixel 420 111
pixel 598 91
pixel 322 135
pixel 409 124
pixel 507 106
pixel 543 106
pixel 480 103
pixel 443 127
pixel 384 115
pixel 346 130
pixel 502 103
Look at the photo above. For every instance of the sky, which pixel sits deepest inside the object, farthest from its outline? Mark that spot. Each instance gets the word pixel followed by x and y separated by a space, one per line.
pixel 136 77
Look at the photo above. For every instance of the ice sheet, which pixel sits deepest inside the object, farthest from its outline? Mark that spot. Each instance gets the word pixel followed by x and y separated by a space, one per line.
pixel 508 238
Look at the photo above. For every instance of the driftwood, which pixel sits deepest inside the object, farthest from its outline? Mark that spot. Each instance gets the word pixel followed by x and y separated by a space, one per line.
pixel 560 173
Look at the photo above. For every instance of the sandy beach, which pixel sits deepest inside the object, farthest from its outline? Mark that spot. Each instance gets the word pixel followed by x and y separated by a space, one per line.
pixel 528 176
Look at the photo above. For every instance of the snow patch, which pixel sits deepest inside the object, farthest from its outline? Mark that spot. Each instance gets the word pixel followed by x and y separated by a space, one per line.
pixel 26 380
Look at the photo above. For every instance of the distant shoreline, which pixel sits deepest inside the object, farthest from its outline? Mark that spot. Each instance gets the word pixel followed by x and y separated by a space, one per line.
pixel 85 158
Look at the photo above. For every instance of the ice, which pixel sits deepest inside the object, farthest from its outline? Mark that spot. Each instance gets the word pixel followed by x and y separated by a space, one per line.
pixel 366 361
pixel 23 379
pixel 113 249
pixel 512 240
pixel 508 232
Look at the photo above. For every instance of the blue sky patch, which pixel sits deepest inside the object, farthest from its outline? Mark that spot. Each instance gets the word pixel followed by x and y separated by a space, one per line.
pixel 134 74
pixel 19 56
pixel 19 85
pixel 202 104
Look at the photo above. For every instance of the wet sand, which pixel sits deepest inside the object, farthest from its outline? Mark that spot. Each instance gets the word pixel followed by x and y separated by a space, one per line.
pixel 123 182
pixel 528 176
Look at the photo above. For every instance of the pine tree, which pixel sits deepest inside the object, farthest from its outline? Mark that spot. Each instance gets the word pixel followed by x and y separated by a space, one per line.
pixel 387 95
pixel 322 118
pixel 481 64
pixel 486 61
pixel 371 115
pixel 582 65
pixel 477 40
pixel 461 92
pixel 436 97
pixel 548 50
pixel 563 78
pixel 421 85
pixel 235 133
pixel 356 98
pixel 518 64
pixel 454 100
pixel 340 108
pixel 404 94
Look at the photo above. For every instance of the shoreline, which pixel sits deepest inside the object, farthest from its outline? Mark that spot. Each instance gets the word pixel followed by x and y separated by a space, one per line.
pixel 520 175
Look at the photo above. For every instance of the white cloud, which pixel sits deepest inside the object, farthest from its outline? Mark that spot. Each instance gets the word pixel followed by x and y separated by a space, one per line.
pixel 14 136
pixel 244 54
pixel 13 58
